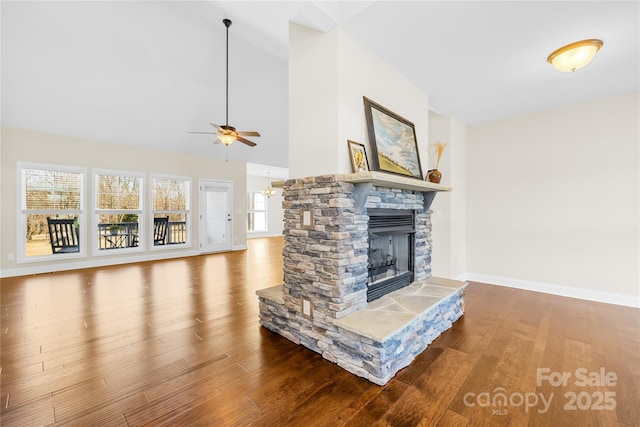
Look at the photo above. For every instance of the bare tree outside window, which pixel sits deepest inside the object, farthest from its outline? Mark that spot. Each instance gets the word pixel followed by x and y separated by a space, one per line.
pixel 48 192
pixel 118 209
pixel 171 198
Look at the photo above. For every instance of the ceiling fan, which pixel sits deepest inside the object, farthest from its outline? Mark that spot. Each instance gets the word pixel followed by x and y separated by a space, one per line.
pixel 228 134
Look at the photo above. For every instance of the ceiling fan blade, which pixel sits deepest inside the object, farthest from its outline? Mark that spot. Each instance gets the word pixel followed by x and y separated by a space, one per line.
pixel 246 141
pixel 208 133
pixel 214 125
pixel 248 133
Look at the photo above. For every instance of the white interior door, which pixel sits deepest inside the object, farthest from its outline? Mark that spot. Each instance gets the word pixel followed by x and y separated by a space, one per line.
pixel 215 216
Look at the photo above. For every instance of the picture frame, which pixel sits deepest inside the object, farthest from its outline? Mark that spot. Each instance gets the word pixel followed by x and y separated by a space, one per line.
pixel 358 155
pixel 393 141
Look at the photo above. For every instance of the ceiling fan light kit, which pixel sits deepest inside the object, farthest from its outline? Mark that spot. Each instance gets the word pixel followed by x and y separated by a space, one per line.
pixel 575 55
pixel 227 139
pixel 228 134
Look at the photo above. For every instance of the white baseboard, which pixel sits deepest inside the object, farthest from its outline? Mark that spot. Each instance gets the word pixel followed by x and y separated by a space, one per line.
pixel 102 262
pixel 261 235
pixel 548 288
pixel 94 262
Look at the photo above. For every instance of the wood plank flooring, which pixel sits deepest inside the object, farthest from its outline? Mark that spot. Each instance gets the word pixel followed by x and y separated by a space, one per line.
pixel 178 343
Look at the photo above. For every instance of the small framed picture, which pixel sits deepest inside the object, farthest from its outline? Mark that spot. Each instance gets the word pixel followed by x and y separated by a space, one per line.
pixel 358 155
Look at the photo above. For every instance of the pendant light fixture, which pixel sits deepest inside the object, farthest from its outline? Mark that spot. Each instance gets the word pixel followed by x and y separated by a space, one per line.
pixel 269 191
pixel 574 56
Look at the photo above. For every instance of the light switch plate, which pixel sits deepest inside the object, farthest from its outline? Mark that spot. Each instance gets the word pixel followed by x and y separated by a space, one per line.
pixel 306 308
pixel 306 219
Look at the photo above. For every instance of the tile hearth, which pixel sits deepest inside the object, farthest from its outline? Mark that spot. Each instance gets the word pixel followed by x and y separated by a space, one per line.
pixel 385 317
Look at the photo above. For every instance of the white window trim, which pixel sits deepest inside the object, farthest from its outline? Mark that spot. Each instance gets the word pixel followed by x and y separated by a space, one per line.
pixel 266 214
pixel 95 212
pixel 152 213
pixel 21 255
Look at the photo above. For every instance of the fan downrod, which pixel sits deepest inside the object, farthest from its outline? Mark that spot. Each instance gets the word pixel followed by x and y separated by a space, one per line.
pixel 226 130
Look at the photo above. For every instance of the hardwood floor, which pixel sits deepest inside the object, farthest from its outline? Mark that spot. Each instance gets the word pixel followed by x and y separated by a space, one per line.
pixel 178 343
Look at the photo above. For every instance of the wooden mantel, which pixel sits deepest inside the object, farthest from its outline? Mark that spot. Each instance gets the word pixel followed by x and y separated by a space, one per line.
pixel 394 181
pixel 385 180
pixel 364 181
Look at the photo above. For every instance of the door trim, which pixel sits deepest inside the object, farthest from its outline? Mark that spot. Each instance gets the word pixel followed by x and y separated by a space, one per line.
pixel 202 182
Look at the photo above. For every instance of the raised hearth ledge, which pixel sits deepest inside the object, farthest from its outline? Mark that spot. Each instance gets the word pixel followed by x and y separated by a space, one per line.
pixel 385 180
pixel 390 331
pixel 387 315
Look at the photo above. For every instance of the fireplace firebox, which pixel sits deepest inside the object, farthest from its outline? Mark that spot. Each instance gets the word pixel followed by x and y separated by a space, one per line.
pixel 391 251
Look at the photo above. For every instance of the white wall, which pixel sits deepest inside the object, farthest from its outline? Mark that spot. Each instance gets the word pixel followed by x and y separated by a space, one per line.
pixel 458 247
pixel 275 213
pixel 449 209
pixel 553 200
pixel 29 146
pixel 440 130
pixel 313 105
pixel 329 73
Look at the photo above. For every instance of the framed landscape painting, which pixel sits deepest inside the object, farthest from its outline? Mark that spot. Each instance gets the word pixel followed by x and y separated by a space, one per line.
pixel 393 141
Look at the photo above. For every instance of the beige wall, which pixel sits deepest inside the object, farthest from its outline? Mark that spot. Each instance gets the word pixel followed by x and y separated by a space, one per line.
pixel 28 146
pixel 553 197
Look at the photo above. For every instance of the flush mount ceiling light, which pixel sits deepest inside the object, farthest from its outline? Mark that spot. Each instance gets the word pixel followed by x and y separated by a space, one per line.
pixel 574 56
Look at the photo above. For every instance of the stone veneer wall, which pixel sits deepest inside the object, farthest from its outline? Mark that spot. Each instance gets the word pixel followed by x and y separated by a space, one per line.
pixel 327 265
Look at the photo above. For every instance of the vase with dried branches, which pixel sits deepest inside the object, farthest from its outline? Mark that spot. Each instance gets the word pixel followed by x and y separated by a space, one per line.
pixel 434 175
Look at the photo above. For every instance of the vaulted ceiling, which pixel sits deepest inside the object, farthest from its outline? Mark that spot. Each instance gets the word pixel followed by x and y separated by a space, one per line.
pixel 146 73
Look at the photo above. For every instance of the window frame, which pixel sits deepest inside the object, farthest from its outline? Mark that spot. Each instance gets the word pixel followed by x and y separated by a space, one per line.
pixel 22 212
pixel 250 211
pixel 97 212
pixel 152 212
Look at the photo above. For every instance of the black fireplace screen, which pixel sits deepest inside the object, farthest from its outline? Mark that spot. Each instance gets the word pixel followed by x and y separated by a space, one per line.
pixel 391 250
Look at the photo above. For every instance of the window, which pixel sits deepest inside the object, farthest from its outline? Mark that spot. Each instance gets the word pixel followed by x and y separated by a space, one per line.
pixel 118 209
pixel 257 212
pixel 171 201
pixel 51 212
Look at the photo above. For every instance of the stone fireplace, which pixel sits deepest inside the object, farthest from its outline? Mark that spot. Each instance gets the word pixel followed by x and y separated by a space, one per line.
pixel 357 272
